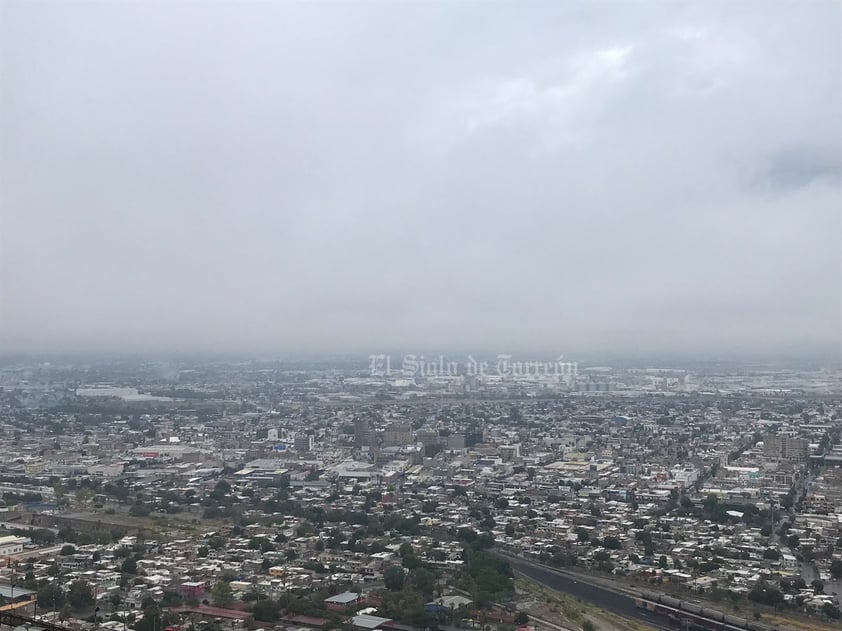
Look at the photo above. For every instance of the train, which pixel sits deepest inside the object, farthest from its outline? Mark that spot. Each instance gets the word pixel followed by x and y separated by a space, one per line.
pixel 695 616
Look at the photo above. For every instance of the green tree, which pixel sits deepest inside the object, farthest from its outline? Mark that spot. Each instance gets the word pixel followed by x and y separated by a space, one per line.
pixel 393 578
pixel 612 543
pixel 129 565
pixel 50 596
pixel 766 594
pixel 266 610
pixel 221 594
pixel 80 594
pixel 171 599
pixel 84 495
pixel 410 562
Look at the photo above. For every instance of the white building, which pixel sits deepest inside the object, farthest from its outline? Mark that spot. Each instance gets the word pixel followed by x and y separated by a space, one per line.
pixel 12 545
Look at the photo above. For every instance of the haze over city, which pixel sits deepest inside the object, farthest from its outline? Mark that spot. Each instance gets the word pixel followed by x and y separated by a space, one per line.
pixel 639 178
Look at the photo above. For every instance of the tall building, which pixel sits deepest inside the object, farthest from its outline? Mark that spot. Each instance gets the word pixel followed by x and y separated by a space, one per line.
pixel 428 437
pixel 303 442
pixel 785 447
pixel 362 434
pixel 509 453
pixel 456 442
pixel 397 435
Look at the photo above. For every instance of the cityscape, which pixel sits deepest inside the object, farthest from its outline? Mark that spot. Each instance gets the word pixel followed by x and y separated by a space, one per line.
pixel 420 315
pixel 233 494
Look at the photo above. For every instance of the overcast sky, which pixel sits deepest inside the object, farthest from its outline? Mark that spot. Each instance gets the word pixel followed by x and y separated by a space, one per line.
pixel 631 177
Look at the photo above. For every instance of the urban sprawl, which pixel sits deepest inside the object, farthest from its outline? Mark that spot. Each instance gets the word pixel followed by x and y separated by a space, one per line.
pixel 221 495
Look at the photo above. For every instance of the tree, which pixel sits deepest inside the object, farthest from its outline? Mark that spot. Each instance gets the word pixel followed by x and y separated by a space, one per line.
pixel 836 568
pixel 410 562
pixel 424 580
pixel 522 618
pixel 151 620
pixel 265 610
pixel 129 565
pixel 221 594
pixel 80 594
pixel 67 550
pixel 612 543
pixel 84 495
pixel 831 611
pixel 766 594
pixel 50 597
pixel 393 578
pixel 171 599
pixel 587 625
pixel 140 509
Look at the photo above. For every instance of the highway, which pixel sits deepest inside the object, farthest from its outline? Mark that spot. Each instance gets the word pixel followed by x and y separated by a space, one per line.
pixel 615 602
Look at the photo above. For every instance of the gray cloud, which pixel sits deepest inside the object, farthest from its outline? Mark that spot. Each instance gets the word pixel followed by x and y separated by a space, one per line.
pixel 272 176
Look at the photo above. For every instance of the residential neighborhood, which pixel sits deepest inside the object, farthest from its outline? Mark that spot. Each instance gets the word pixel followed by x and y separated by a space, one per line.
pixel 316 496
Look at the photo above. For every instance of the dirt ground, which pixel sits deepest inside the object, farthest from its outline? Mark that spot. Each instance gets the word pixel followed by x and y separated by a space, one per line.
pixel 566 612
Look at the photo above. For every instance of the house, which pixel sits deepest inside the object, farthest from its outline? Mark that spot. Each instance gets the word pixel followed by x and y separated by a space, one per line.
pixel 12 544
pixel 192 589
pixel 342 601
pixel 367 621
pixel 446 604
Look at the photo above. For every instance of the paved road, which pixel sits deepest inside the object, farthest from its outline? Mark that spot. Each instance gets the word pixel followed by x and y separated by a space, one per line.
pixel 599 596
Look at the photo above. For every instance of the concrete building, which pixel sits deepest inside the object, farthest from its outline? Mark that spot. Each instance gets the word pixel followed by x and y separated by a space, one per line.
pixel 362 433
pixel 303 442
pixel 397 435
pixel 12 545
pixel 785 447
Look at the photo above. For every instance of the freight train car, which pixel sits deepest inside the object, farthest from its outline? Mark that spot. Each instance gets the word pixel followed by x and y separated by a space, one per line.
pixel 682 612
